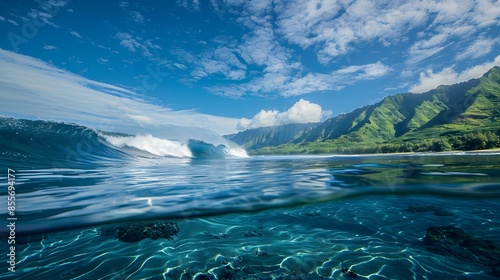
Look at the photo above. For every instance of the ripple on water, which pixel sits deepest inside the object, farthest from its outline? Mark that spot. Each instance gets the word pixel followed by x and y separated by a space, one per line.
pixel 377 238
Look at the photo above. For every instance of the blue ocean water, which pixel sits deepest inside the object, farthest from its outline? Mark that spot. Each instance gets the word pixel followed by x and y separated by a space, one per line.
pixel 263 217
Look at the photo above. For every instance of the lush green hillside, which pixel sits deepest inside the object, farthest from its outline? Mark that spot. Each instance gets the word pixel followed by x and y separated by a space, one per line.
pixel 448 117
pixel 270 136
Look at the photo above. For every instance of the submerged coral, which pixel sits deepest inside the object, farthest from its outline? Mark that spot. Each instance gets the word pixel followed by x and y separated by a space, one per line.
pixel 139 231
pixel 453 241
pixel 429 208
pixel 219 235
pixel 251 233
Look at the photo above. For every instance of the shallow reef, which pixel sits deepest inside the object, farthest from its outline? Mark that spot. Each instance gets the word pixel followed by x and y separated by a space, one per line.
pixel 429 208
pixel 138 231
pixel 453 241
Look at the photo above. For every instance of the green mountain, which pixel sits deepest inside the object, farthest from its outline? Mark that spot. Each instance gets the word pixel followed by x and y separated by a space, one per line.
pixel 257 138
pixel 461 116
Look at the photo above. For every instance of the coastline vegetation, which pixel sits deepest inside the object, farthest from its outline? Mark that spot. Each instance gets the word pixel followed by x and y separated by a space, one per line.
pixel 344 145
pixel 460 117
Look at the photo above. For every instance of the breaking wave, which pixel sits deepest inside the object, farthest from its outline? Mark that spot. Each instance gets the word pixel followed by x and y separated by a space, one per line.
pixel 39 141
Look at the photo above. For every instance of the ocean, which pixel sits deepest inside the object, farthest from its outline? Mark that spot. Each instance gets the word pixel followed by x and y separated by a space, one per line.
pixel 85 204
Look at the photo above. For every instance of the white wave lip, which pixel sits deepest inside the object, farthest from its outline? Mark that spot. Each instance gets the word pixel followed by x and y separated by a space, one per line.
pixel 238 152
pixel 163 147
pixel 152 145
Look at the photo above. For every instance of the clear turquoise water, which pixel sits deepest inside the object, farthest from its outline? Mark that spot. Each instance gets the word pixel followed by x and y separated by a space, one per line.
pixel 287 217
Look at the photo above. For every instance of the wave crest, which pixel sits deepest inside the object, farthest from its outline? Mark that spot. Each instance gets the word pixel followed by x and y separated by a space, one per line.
pixel 163 147
pixel 151 144
pixel 71 145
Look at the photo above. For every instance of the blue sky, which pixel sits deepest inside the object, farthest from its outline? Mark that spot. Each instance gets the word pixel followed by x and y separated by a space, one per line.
pixel 233 64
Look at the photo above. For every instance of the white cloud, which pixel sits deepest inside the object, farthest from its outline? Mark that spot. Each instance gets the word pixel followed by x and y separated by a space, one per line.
pixel 198 73
pixel 426 48
pixel 299 21
pixel 451 11
pixel 275 68
pixel 486 13
pixel 336 28
pixel 134 44
pixel 265 60
pixel 455 23
pixel 76 34
pixel 367 71
pixel 430 80
pixel 196 5
pixel 136 16
pixel 294 85
pixel 102 60
pixel 180 66
pixel 42 17
pixel 50 4
pixel 320 24
pixel 237 75
pixel 478 48
pixel 261 119
pixel 49 9
pixel 55 94
pixel 141 119
pixel 327 114
pixel 49 47
pixel 416 54
pixel 8 20
pixel 188 4
pixel 302 111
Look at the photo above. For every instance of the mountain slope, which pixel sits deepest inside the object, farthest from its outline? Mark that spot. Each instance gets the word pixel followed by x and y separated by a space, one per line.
pixel 257 138
pixel 406 120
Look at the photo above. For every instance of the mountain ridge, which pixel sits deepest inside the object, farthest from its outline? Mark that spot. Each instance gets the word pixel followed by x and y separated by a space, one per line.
pixel 435 116
pixel 269 136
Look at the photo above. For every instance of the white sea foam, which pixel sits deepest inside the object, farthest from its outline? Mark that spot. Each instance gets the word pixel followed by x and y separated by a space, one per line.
pixel 238 152
pixel 151 144
pixel 171 148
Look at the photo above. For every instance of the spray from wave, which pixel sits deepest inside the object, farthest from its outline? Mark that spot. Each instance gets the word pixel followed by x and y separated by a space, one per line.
pixel 152 145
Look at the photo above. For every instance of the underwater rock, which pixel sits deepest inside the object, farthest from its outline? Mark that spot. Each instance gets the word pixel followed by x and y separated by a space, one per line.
pixel 139 231
pixel 251 233
pixel 217 236
pixel 442 213
pixel 453 241
pixel 426 208
pixel 229 273
pixel 260 252
pixel 349 272
pixel 313 214
pixel 429 208
pixel 108 231
pixel 25 239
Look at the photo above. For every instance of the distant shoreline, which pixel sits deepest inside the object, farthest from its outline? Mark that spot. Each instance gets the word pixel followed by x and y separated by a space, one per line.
pixel 492 150
pixel 484 150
